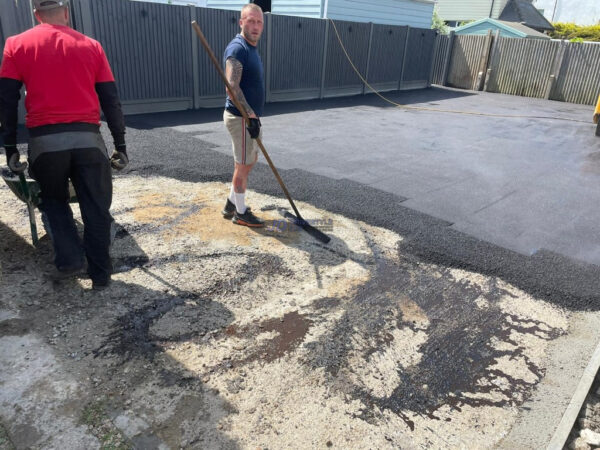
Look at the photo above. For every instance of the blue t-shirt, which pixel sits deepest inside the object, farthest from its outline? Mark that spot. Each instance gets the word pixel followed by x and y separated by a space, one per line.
pixel 253 79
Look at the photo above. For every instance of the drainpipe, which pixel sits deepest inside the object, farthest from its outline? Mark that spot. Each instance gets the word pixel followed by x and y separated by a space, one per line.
pixel 492 10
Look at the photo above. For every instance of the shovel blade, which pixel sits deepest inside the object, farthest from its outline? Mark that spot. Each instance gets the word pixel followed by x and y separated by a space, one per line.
pixel 314 232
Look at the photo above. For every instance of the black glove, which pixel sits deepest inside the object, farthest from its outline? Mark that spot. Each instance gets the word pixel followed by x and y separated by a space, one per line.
pixel 119 159
pixel 12 159
pixel 253 127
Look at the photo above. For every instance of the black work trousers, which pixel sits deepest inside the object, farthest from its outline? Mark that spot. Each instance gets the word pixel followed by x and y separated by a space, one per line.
pixel 89 171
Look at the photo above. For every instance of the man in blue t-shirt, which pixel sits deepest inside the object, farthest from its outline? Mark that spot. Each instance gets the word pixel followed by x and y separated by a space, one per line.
pixel 244 71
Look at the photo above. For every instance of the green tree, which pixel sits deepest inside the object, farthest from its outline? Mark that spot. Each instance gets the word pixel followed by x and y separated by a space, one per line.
pixel 438 24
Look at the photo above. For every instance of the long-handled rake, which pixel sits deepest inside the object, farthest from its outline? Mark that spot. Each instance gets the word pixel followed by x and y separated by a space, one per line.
pixel 317 234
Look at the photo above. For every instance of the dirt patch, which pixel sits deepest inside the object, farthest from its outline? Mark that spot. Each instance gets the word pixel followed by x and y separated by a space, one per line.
pixel 289 332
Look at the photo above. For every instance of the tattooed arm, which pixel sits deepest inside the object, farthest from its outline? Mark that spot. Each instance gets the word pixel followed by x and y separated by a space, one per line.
pixel 233 72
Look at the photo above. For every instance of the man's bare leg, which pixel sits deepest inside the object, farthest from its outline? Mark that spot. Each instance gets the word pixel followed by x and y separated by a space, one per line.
pixel 243 215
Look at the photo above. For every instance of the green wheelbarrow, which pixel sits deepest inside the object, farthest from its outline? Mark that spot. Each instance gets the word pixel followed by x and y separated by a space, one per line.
pixel 28 191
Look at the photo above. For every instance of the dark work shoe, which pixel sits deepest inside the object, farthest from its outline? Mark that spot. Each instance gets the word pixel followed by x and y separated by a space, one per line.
pixel 100 285
pixel 229 210
pixel 64 273
pixel 247 219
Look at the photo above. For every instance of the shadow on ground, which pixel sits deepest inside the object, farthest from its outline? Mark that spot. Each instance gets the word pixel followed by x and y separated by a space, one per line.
pixel 106 339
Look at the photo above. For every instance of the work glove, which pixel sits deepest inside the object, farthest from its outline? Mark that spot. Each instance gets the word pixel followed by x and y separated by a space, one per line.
pixel 253 127
pixel 119 159
pixel 12 159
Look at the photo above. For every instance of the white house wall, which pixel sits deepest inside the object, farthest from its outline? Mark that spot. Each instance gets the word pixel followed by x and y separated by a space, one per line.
pixel 394 12
pixel 498 7
pixel 306 8
pixel 461 10
pixel 226 4
pixel 581 12
pixel 199 3
pixel 416 13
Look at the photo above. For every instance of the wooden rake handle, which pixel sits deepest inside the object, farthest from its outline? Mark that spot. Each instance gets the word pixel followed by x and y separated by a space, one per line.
pixel 241 109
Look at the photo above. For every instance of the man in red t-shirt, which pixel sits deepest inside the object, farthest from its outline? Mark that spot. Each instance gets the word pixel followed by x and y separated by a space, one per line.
pixel 67 78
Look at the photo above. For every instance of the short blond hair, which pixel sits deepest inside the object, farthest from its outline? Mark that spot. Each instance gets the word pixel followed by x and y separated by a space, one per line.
pixel 250 7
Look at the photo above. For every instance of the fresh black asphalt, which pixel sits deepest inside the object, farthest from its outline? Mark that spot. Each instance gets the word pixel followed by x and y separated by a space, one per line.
pixel 404 154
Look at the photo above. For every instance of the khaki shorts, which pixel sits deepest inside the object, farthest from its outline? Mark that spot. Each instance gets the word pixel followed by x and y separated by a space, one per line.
pixel 245 149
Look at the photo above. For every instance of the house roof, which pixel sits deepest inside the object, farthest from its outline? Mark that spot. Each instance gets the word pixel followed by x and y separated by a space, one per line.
pixel 530 32
pixel 523 11
pixel 512 28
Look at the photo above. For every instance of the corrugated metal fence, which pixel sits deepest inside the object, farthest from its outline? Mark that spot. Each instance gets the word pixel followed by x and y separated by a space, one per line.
pixel 159 64
pixel 15 17
pixel 551 69
pixel 298 77
pixel 418 59
pixel 149 50
pixel 1 40
pixel 219 26
pixel 388 44
pixel 340 78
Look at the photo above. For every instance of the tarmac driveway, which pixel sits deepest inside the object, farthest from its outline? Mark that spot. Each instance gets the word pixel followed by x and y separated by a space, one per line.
pixel 521 183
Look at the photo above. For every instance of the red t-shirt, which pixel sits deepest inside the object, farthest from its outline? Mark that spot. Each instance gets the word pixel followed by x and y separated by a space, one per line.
pixel 59 67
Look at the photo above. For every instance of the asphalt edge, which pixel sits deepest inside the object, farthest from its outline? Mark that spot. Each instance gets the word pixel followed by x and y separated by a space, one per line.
pixel 568 419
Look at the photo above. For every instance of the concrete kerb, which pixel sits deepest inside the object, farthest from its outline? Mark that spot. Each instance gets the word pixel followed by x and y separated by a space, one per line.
pixel 561 434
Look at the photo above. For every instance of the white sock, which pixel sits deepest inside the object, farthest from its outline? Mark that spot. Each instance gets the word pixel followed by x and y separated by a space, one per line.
pixel 240 202
pixel 232 195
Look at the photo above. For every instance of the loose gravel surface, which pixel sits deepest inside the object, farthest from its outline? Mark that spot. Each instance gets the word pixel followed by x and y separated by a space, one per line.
pixel 215 335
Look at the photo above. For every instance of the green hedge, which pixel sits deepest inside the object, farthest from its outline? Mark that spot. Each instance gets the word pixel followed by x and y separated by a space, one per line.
pixel 571 31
